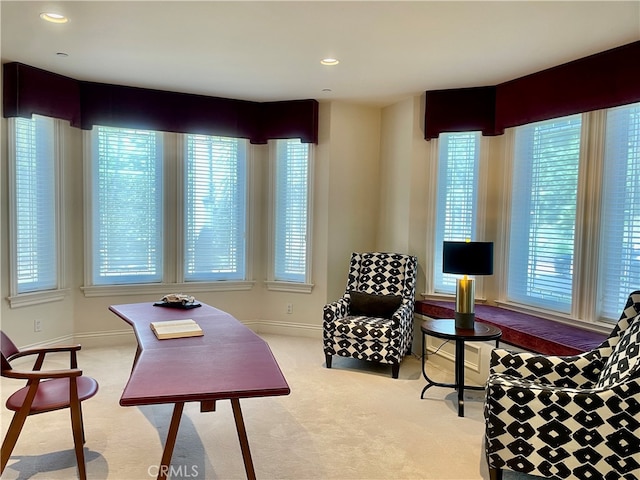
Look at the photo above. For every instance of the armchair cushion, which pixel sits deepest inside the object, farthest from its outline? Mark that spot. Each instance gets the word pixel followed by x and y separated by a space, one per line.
pixel 372 305
pixel 624 358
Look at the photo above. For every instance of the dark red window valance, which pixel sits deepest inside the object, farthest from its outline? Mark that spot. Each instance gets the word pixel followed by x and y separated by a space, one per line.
pixel 603 80
pixel 29 90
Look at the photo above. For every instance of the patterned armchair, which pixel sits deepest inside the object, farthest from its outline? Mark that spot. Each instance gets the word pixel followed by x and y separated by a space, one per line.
pixel 374 318
pixel 568 417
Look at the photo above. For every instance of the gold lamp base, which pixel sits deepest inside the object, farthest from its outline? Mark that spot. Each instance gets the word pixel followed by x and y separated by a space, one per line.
pixel 465 298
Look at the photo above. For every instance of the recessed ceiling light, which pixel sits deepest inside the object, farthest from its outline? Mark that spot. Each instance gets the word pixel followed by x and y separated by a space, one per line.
pixel 62 54
pixel 330 61
pixel 326 90
pixel 54 17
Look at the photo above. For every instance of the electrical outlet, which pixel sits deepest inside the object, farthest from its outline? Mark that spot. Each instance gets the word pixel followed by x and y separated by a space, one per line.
pixel 289 307
pixel 37 325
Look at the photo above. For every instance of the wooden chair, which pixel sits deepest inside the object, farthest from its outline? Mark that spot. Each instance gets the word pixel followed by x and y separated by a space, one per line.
pixel 46 391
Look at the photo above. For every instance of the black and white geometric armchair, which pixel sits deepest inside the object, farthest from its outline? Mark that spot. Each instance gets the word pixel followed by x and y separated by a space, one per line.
pixel 568 417
pixel 374 318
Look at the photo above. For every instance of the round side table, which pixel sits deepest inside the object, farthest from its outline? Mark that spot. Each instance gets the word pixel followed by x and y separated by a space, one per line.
pixel 446 329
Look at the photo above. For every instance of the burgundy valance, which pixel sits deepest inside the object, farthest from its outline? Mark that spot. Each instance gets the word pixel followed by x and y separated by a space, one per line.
pixel 29 90
pixel 603 80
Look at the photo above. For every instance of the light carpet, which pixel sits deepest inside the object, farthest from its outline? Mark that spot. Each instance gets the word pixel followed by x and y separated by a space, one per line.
pixel 349 422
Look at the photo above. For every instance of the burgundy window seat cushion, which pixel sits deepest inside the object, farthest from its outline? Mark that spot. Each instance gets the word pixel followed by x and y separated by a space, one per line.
pixel 529 332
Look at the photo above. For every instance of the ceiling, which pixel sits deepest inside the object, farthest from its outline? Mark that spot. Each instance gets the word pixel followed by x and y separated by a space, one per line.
pixel 268 50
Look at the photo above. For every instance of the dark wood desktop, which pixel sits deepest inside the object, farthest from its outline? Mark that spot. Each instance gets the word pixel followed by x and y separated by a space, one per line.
pixel 228 362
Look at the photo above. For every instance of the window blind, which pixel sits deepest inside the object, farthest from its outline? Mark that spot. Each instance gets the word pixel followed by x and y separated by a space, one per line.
pixel 291 211
pixel 35 205
pixel 543 215
pixel 215 206
pixel 458 155
pixel 620 244
pixel 128 206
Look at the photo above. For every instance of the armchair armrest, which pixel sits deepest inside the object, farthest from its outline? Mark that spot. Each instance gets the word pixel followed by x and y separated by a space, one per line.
pixel 41 352
pixel 578 371
pixel 403 314
pixel 41 374
pixel 335 310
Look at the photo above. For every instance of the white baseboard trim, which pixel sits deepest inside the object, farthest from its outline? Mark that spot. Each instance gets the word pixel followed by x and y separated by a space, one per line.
pixel 127 337
pixel 291 329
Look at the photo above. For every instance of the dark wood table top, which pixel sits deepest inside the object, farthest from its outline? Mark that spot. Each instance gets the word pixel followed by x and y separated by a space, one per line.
pixel 228 361
pixel 446 328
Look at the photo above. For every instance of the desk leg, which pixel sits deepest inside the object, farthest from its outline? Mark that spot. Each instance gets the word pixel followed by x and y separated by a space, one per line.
pixel 171 441
pixel 460 375
pixel 242 436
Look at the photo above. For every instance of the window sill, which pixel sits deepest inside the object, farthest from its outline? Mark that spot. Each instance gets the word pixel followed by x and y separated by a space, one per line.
pixel 536 334
pixel 37 298
pixel 165 288
pixel 289 287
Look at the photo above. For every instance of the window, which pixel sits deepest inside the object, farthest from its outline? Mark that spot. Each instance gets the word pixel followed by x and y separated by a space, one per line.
pixel 620 243
pixel 543 213
pixel 215 224
pixel 34 212
pixel 165 214
pixel 291 207
pixel 127 199
pixel 458 159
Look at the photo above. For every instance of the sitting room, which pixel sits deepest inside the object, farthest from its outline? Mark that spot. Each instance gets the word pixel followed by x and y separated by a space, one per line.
pixel 288 178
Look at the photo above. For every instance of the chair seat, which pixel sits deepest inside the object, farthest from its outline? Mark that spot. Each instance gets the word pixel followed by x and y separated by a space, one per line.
pixel 53 394
pixel 365 328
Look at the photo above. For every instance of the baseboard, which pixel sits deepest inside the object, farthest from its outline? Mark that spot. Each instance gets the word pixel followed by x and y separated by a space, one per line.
pixel 127 337
pixel 287 328
pixel 106 339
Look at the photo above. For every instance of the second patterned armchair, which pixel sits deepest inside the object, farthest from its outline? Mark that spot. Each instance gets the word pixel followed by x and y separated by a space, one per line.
pixel 374 318
pixel 572 417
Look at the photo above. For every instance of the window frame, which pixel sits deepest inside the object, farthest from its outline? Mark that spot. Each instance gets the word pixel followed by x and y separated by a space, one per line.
pixel 174 202
pixel 272 283
pixel 60 291
pixel 528 130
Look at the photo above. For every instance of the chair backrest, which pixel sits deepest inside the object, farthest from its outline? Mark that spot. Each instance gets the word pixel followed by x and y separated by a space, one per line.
pixel 629 314
pixel 624 361
pixel 7 349
pixel 383 274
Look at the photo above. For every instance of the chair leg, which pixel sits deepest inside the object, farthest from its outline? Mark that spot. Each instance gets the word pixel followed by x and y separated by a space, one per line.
pixel 395 370
pixel 12 436
pixel 328 359
pixel 78 429
pixel 495 474
pixel 16 426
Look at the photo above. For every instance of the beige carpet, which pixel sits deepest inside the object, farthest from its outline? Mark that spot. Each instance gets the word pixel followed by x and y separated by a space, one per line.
pixel 349 422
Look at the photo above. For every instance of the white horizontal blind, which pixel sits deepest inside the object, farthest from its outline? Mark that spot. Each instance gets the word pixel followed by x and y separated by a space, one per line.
pixel 457 197
pixel 543 213
pixel 620 245
pixel 215 206
pixel 291 210
pixel 35 204
pixel 128 206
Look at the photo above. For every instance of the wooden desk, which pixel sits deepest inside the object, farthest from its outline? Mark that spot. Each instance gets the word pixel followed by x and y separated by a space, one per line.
pixel 228 362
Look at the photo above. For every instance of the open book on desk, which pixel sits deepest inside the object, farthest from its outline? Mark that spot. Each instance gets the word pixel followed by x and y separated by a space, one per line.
pixel 176 329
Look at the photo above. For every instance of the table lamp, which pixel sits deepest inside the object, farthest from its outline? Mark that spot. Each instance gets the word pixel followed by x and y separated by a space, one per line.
pixel 466 258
